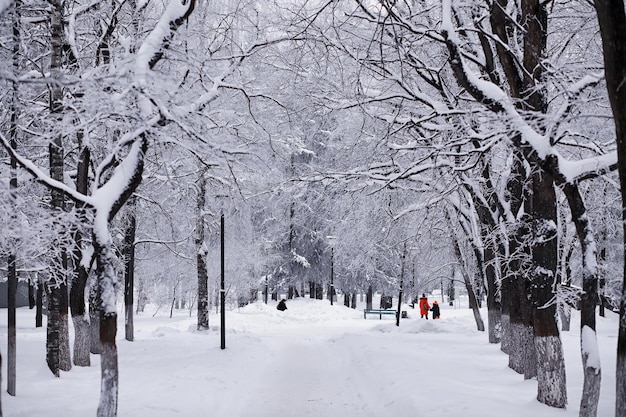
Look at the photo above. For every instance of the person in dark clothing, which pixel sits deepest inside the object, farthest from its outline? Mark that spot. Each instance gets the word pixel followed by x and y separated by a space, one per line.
pixel 435 310
pixel 282 305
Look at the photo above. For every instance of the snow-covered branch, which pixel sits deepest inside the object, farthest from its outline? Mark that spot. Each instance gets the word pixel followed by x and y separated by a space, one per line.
pixel 44 178
pixel 151 50
pixel 495 99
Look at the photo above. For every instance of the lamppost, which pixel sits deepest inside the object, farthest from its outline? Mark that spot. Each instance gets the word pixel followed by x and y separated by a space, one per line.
pixel 331 242
pixel 222 286
pixel 399 312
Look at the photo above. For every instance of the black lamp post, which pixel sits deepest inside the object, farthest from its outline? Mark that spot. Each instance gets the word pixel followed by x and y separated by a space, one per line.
pixel 399 312
pixel 331 243
pixel 222 288
pixel 220 199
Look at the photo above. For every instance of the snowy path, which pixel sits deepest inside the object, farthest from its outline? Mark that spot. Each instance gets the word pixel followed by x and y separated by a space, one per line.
pixel 324 377
pixel 313 360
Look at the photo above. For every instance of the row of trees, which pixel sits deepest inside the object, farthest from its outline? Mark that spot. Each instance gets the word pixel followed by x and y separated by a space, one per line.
pixel 474 137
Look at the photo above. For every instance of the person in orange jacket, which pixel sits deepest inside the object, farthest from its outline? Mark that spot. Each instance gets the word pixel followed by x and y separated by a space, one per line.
pixel 435 310
pixel 424 307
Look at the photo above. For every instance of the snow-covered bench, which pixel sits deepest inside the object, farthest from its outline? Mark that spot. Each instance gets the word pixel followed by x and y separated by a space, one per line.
pixel 380 312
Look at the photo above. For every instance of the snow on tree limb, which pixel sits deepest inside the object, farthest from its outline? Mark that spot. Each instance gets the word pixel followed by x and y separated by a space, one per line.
pixel 496 100
pixel 44 178
pixel 151 50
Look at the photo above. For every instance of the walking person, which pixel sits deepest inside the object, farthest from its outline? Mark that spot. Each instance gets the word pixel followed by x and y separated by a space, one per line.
pixel 424 307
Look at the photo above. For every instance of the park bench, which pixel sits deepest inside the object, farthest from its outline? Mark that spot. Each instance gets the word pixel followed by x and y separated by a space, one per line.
pixel 380 312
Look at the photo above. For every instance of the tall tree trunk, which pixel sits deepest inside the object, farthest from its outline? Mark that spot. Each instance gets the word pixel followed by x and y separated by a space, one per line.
pixel 54 327
pixel 12 279
pixel 58 331
pixel 494 307
pixel 52 332
pixel 201 253
pixel 107 281
pixel 506 289
pixel 565 310
pixel 522 353
pixel 129 270
pixel 469 286
pixel 12 328
pixel 58 290
pixel 80 317
pixel 551 387
pixel 39 303
pixel 612 20
pixel 511 313
pixel 473 302
pixel 95 301
pixel 82 339
pixel 65 356
pixel 369 298
pixel 588 339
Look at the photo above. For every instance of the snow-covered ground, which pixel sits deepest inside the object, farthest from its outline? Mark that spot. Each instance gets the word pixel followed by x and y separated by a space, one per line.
pixel 311 360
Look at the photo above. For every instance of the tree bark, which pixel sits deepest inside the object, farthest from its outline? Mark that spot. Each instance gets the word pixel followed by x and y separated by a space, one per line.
pixel 522 353
pixel 592 372
pixel 12 278
pixel 612 21
pixel 80 317
pixel 551 387
pixel 65 356
pixel 107 281
pixel 201 253
pixel 52 332
pixel 58 290
pixel 494 307
pixel 473 302
pixel 12 327
pixel 94 317
pixel 565 309
pixel 129 270
pixel 39 304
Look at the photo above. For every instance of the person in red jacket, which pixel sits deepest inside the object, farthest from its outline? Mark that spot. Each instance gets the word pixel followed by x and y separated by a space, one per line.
pixel 424 307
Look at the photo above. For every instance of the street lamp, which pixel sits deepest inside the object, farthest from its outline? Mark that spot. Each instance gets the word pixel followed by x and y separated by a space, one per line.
pixel 331 242
pixel 222 273
pixel 399 312
pixel 222 287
